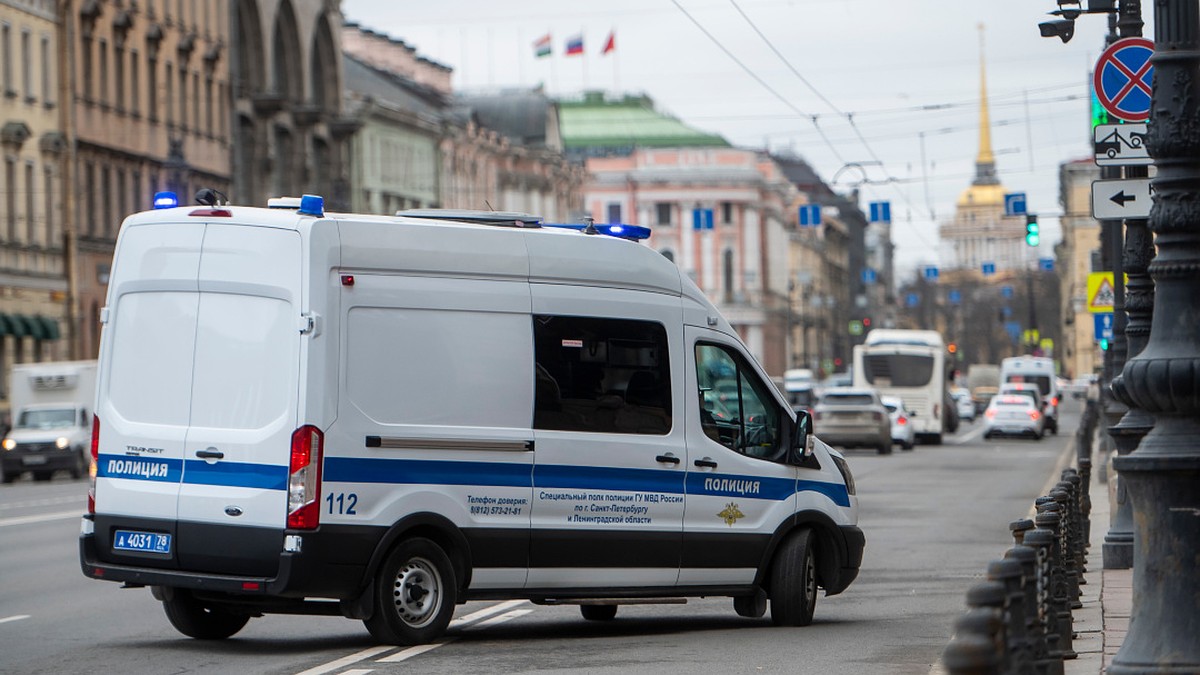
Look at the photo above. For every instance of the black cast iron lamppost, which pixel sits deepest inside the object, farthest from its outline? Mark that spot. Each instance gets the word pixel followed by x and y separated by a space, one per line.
pixel 1163 473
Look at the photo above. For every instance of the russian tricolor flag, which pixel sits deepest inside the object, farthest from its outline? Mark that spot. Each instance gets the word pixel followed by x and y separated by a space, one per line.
pixel 575 45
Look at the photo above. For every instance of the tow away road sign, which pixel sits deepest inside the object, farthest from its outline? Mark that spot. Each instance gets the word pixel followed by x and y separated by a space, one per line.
pixel 1120 199
pixel 1120 145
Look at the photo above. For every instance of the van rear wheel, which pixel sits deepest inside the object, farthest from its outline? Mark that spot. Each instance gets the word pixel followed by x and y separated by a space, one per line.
pixel 415 594
pixel 794 581
pixel 192 618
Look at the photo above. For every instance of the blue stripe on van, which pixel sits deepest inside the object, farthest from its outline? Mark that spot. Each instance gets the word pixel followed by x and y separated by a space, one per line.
pixel 608 478
pixel 236 474
pixel 193 472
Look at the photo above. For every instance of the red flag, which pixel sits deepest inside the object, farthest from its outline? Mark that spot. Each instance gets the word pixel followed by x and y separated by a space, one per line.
pixel 609 44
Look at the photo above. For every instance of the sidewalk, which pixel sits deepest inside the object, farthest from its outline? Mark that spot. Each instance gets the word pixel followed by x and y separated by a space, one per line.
pixel 1101 624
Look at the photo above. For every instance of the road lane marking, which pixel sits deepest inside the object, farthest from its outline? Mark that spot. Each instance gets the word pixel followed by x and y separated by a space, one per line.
pixel 419 649
pixel 73 499
pixel 413 651
pixel 975 434
pixel 45 517
pixel 16 617
pixel 501 619
pixel 347 660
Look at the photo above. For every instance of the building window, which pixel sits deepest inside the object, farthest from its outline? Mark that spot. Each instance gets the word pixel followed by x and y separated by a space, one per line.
pixel 196 103
pixel 668 254
pixel 102 65
pixel 727 213
pixel 601 375
pixel 27 65
pixel 170 95
pixel 89 191
pixel 30 220
pixel 152 88
pixel 119 78
pixel 47 68
pixel 662 211
pixel 85 68
pixel 106 201
pixel 135 92
pixel 122 196
pixel 614 213
pixel 727 274
pixel 6 57
pixel 48 200
pixel 10 198
pixel 183 96
pixel 208 105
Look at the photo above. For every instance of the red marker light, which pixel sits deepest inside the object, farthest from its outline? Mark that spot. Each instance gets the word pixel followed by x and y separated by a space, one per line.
pixel 212 213
pixel 347 279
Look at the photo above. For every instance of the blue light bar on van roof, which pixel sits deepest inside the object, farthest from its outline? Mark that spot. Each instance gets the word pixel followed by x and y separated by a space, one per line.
pixel 619 230
pixel 165 200
pixel 312 205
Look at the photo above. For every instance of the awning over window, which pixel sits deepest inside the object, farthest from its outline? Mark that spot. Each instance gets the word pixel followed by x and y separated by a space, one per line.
pixel 37 326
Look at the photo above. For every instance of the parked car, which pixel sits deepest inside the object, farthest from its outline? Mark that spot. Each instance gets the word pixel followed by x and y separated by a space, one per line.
pixel 964 404
pixel 903 432
pixel 1014 415
pixel 853 417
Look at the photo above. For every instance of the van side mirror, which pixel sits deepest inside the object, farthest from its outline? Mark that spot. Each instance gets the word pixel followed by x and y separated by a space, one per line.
pixel 801 453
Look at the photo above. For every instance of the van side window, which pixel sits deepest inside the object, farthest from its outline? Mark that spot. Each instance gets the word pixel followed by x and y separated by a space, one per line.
pixel 601 375
pixel 736 408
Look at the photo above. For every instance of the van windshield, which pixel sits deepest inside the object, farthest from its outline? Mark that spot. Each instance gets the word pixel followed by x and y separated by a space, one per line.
pixel 56 418
pixel 1042 381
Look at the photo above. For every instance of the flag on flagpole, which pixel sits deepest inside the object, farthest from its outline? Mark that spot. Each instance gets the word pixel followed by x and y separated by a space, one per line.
pixel 609 44
pixel 575 45
pixel 542 46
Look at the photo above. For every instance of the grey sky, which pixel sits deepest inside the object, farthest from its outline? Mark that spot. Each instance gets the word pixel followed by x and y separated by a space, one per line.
pixel 885 62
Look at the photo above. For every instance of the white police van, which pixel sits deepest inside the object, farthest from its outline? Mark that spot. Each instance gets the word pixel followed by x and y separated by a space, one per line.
pixel 1040 371
pixel 383 417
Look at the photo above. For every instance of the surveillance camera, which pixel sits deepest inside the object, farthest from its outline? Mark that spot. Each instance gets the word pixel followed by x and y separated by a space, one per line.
pixel 1063 30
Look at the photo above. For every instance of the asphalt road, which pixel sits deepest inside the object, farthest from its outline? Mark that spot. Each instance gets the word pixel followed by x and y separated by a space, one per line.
pixel 933 519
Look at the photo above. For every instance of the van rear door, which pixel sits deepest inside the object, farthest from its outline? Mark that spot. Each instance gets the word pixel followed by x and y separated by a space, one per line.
pixel 233 498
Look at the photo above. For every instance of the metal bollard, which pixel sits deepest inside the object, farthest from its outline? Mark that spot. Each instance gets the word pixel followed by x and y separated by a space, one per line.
pixel 1048 518
pixel 1049 661
pixel 975 649
pixel 1019 528
pixel 1035 630
pixel 1020 651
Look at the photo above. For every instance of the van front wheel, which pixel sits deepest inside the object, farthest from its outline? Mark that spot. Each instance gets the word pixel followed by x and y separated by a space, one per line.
pixel 192 618
pixel 794 581
pixel 415 594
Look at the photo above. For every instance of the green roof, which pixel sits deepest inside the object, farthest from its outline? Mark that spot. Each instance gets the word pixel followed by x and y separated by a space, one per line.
pixel 632 121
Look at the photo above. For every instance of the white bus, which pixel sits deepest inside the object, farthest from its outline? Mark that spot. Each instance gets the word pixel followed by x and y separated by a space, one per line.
pixel 911 365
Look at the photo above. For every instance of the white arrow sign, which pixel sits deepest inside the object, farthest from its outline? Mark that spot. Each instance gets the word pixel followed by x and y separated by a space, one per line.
pixel 1119 199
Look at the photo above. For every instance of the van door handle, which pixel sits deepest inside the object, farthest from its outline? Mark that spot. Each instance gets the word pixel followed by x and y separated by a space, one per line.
pixel 668 458
pixel 706 462
pixel 210 453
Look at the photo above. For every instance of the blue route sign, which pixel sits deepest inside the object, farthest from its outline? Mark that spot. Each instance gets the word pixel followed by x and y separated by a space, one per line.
pixel 954 296
pixel 912 300
pixel 869 276
pixel 810 215
pixel 931 273
pixel 1046 264
pixel 1104 325
pixel 702 219
pixel 1007 291
pixel 881 212
pixel 1014 204
pixel 989 268
pixel 1123 78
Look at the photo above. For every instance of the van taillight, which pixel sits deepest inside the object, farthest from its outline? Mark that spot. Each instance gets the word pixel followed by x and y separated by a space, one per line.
pixel 304 479
pixel 95 464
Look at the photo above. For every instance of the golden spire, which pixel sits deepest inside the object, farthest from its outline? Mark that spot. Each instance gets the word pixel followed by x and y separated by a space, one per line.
pixel 985 127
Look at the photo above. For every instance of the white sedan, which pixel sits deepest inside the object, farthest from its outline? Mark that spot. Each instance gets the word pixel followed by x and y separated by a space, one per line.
pixel 903 433
pixel 1013 415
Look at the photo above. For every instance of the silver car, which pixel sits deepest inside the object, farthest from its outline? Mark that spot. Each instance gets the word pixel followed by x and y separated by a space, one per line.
pixel 1013 415
pixel 852 417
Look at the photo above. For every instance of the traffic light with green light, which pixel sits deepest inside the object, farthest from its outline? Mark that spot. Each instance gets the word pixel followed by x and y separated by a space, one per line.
pixel 1103 344
pixel 1033 235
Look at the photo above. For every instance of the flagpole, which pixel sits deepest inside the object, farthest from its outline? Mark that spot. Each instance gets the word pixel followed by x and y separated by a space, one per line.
pixel 584 59
pixel 520 59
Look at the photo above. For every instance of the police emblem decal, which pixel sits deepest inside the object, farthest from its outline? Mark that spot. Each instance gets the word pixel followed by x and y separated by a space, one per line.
pixel 731 514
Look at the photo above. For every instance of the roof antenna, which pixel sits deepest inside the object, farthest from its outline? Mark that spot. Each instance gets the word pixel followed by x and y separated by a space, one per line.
pixel 591 225
pixel 489 205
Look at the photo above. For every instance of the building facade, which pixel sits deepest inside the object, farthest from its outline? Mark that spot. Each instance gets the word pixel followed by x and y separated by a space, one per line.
pixel 33 282
pixel 1078 256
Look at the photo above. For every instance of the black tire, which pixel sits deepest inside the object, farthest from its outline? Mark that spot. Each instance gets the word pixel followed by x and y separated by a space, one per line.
pixel 884 448
pixel 751 606
pixel 415 593
pixel 192 618
pixel 79 469
pixel 598 612
pixel 794 581
pixel 907 446
pixel 43 476
pixel 7 476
